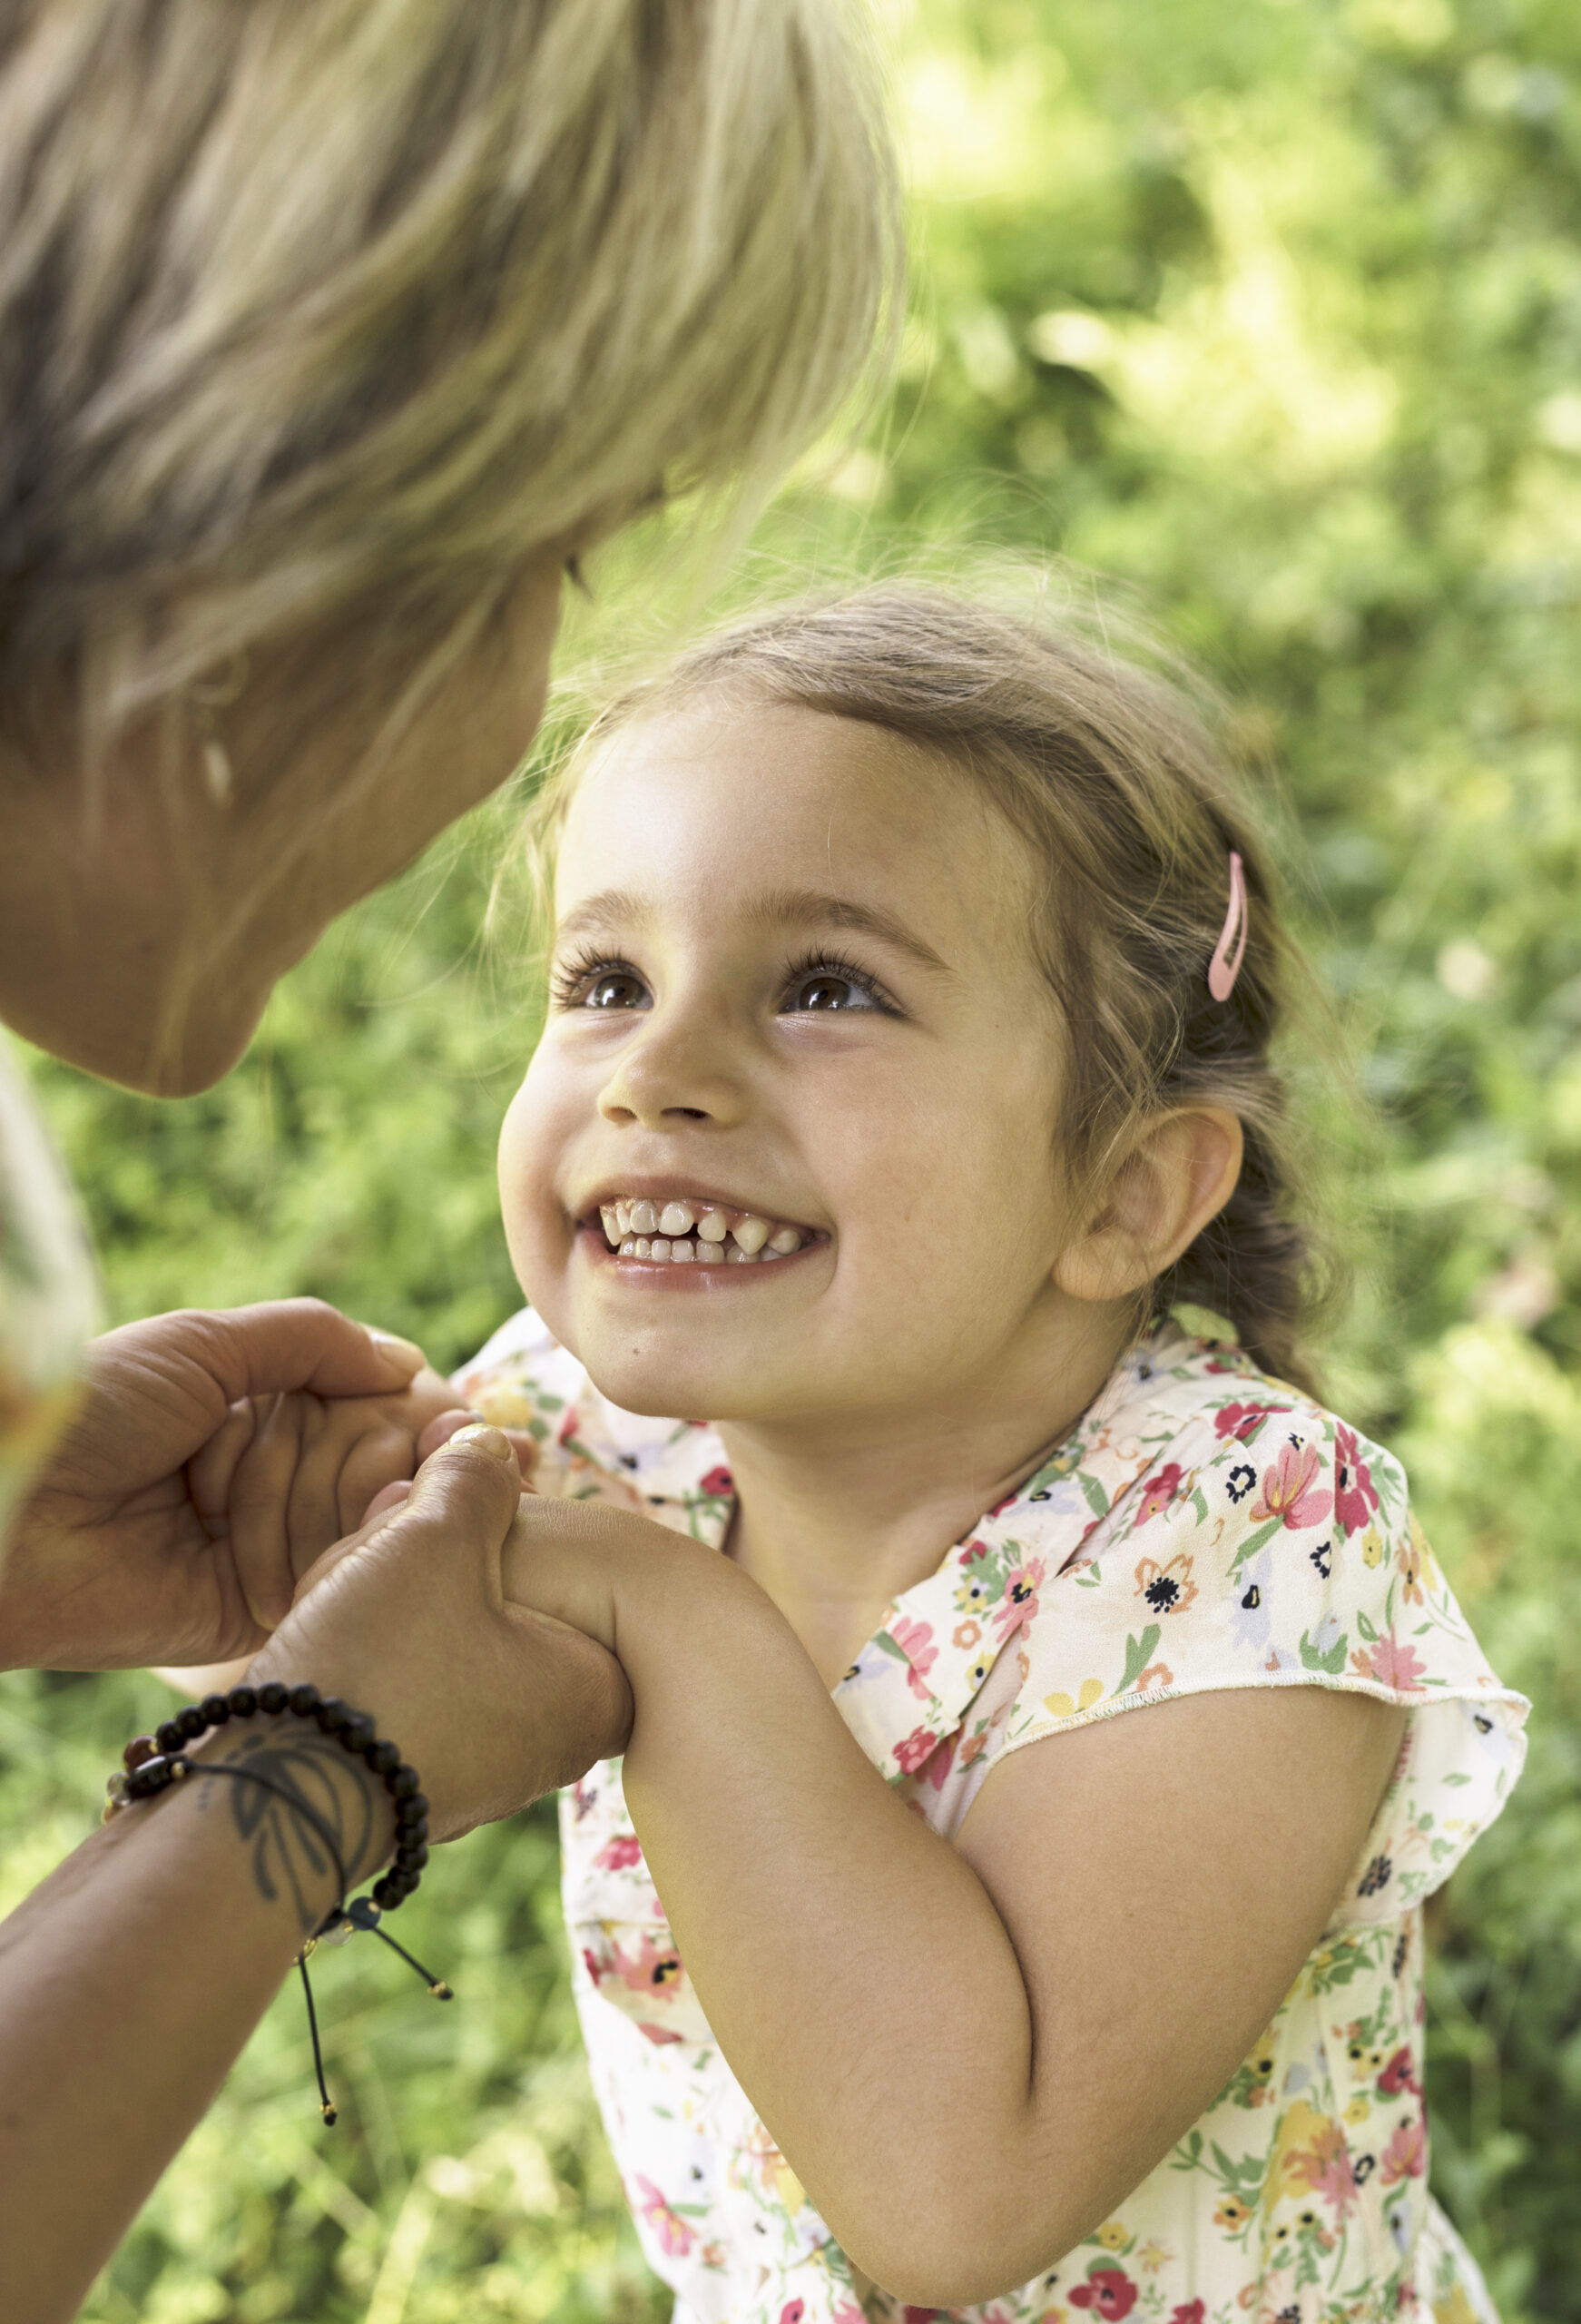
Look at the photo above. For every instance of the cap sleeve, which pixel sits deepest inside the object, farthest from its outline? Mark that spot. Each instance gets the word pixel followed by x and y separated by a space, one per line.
pixel 1275 1547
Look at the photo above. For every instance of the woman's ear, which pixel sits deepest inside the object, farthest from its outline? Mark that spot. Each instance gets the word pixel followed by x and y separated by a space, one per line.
pixel 1180 1173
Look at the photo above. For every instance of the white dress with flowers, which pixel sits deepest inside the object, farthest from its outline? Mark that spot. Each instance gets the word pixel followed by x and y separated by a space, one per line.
pixel 1203 1528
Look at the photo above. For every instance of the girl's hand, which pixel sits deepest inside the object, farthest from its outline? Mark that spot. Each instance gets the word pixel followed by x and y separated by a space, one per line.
pixel 286 1477
pixel 493 1703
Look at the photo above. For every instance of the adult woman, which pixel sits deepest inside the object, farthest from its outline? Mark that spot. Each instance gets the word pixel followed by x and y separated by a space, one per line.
pixel 327 333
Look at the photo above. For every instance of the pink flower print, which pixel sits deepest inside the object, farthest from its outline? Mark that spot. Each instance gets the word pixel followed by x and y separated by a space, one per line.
pixel 1355 1494
pixel 1160 1491
pixel 658 2034
pixel 917 1747
pixel 1287 1488
pixel 674 2237
pixel 1190 2311
pixel 1109 2290
pixel 592 1965
pixel 1157 1674
pixel 1239 1421
pixel 1324 2168
pixel 617 1855
pixel 915 1640
pixel 939 1766
pixel 567 1427
pixel 1392 1665
pixel 1406 2155
pixel 1022 1584
pixel 793 2311
pixel 1398 2075
pixel 1168 1588
pixel 652 1968
pixel 718 1485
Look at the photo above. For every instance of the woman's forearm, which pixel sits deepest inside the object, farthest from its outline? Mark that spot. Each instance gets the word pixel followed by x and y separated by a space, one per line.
pixel 129 1983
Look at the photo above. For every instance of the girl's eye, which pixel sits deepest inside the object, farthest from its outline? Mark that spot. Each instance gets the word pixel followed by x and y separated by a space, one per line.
pixel 832 985
pixel 600 984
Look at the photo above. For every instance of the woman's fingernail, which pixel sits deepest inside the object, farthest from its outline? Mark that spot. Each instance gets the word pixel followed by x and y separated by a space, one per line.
pixel 406 1354
pixel 492 1440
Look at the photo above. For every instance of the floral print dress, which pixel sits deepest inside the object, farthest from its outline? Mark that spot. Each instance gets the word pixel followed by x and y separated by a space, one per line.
pixel 1206 1527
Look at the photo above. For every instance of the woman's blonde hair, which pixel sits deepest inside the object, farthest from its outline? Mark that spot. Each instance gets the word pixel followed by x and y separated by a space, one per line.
pixel 316 309
pixel 1108 772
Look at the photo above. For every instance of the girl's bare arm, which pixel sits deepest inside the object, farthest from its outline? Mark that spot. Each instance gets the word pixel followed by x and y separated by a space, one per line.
pixel 1034 2013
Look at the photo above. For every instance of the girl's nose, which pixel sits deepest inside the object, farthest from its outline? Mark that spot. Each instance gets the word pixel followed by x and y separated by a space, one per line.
pixel 670 1074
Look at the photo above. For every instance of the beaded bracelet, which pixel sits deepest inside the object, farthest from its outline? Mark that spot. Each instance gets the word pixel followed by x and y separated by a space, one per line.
pixel 152 1763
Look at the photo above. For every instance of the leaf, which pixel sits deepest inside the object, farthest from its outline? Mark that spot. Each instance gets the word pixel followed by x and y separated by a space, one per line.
pixel 1097 1500
pixel 1139 1653
pixel 1252 1543
pixel 1366 1628
pixel 1333 1661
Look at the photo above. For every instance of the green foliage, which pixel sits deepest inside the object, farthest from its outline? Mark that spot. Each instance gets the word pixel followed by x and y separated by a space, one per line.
pixel 1274 312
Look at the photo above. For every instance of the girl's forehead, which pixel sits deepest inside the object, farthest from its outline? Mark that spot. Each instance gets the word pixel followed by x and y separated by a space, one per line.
pixel 715 788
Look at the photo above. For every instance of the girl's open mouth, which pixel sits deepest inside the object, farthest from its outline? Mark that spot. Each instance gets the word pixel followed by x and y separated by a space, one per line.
pixel 694 1231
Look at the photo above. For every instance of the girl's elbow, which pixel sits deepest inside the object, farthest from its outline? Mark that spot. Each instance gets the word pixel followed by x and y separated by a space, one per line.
pixel 954 2251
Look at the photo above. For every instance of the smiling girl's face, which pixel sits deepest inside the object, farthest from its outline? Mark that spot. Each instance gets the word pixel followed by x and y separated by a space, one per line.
pixel 786 1152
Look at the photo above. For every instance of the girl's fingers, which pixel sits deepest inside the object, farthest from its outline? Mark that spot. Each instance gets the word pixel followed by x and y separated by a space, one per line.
pixel 440 1430
pixel 212 1469
pixel 260 1494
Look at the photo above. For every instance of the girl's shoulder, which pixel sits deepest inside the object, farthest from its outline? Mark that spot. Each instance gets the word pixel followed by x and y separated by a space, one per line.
pixel 1206 1527
pixel 573 1442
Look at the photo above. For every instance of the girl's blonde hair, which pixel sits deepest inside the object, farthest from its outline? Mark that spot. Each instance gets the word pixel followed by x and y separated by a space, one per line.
pixel 1108 772
pixel 325 312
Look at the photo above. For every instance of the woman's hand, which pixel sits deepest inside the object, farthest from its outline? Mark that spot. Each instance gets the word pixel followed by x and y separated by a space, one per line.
pixel 491 1702
pixel 108 1562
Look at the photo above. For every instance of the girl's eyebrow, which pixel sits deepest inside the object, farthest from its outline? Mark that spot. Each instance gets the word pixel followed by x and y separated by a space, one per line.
pixel 776 908
pixel 812 908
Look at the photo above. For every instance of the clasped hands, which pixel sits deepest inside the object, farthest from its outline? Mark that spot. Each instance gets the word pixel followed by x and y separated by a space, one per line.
pixel 209 1499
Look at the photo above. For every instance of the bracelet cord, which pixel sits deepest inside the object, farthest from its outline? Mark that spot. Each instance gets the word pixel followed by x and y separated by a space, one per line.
pixel 153 1763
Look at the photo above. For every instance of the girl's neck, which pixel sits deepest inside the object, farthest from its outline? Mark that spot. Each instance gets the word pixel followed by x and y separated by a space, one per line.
pixel 835 1521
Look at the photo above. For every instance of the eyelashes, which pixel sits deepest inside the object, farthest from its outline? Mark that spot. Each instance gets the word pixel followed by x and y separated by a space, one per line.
pixel 574 979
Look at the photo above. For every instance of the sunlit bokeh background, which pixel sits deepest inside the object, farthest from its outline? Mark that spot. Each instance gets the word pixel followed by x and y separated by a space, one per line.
pixel 1271 313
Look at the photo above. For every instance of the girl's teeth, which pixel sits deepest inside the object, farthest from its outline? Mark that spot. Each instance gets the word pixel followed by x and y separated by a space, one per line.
pixel 676 1218
pixel 641 1247
pixel 650 1230
pixel 681 1250
pixel 645 1218
pixel 713 1227
pixel 787 1240
pixel 741 1259
pixel 612 1225
pixel 623 1218
pixel 659 1248
pixel 752 1233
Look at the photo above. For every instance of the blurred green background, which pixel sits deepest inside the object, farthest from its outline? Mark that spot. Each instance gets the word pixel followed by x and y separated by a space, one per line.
pixel 1272 311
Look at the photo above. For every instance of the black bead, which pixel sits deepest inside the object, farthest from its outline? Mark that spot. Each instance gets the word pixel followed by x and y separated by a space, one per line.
pixel 383 1758
pixel 191 1722
pixel 272 1697
pixel 412 1833
pixel 412 1857
pixel 169 1735
pixel 357 1730
pixel 153 1776
pixel 303 1700
pixel 410 1811
pixel 403 1783
pixel 216 1709
pixel 244 1701
pixel 324 1712
pixel 387 1893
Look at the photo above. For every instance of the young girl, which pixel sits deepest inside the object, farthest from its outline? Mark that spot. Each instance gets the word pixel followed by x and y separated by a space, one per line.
pixel 914 980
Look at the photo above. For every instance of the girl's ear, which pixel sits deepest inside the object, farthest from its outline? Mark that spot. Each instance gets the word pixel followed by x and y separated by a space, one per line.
pixel 1180 1173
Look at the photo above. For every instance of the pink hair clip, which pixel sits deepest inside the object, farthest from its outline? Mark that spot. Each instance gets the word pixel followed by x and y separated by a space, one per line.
pixel 1225 966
